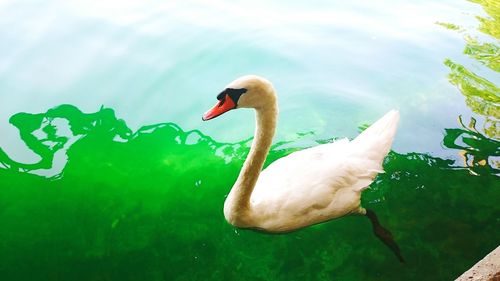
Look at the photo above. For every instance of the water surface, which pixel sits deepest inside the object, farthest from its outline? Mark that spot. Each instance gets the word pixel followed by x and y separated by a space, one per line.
pixel 108 173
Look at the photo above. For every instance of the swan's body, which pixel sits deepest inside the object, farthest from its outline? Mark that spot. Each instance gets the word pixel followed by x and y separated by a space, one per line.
pixel 306 187
pixel 321 183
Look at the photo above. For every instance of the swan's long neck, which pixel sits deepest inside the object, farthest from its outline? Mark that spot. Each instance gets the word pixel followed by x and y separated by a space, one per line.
pixel 237 205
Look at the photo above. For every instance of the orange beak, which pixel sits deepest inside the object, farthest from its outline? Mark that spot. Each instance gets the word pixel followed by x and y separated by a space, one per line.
pixel 220 108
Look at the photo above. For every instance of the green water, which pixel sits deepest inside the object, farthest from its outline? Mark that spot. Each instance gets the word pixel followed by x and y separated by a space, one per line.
pixel 108 173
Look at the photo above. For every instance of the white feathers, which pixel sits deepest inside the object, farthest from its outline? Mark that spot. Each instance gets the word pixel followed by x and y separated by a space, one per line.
pixel 308 186
pixel 322 182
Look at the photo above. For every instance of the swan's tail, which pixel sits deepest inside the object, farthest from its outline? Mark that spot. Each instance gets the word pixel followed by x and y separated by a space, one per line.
pixel 375 142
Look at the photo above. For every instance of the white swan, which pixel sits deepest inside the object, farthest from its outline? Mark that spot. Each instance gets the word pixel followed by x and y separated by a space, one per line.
pixel 306 187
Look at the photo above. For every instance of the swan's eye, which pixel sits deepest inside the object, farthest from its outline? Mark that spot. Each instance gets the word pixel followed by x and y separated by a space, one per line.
pixel 222 98
pixel 233 94
pixel 221 101
pixel 222 95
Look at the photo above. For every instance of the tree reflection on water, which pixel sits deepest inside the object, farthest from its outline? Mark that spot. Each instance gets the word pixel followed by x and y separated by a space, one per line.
pixel 478 145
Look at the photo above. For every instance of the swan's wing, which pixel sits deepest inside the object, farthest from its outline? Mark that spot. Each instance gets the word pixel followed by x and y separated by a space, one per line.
pixel 323 182
pixel 313 177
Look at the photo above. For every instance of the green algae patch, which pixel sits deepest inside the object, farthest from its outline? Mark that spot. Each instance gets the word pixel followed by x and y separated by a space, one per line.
pixel 147 204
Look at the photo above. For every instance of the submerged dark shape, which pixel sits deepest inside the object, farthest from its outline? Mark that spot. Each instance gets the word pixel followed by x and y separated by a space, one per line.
pixel 384 235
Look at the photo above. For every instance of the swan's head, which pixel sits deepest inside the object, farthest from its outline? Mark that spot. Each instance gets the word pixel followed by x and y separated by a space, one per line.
pixel 248 91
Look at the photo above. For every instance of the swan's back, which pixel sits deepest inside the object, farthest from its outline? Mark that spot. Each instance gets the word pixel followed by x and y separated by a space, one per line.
pixel 322 182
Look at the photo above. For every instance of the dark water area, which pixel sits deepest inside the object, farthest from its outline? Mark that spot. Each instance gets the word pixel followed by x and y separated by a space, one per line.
pixel 148 205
